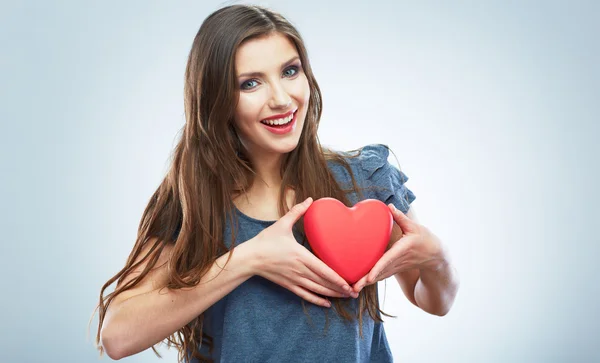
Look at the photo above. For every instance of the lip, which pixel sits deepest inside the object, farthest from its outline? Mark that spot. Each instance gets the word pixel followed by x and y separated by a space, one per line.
pixel 283 115
pixel 282 131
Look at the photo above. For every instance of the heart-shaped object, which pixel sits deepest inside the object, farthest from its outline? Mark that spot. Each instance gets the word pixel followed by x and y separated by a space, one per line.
pixel 349 240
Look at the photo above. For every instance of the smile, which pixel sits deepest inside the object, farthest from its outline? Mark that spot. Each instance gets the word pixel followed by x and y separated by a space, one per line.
pixel 280 121
pixel 283 125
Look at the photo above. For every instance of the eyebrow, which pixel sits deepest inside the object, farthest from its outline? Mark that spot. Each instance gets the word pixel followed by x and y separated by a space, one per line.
pixel 259 74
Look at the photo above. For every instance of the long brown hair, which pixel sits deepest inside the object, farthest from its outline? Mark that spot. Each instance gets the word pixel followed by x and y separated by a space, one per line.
pixel 209 167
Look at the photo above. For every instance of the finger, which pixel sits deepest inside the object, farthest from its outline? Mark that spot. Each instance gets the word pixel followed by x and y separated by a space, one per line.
pixel 396 254
pixel 319 272
pixel 360 284
pixel 379 277
pixel 311 275
pixel 402 220
pixel 310 297
pixel 320 289
pixel 374 273
pixel 294 214
pixel 320 268
pixel 386 274
pixel 383 262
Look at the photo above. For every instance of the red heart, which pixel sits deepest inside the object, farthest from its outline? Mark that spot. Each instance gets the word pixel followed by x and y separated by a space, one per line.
pixel 349 240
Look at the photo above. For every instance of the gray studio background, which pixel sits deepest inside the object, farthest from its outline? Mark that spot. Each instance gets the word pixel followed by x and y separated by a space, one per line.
pixel 490 106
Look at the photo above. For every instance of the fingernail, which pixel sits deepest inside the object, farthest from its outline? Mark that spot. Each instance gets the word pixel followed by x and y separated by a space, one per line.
pixel 354 295
pixel 347 288
pixel 393 208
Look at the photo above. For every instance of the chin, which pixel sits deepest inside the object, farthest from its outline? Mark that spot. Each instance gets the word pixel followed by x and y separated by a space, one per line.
pixel 284 147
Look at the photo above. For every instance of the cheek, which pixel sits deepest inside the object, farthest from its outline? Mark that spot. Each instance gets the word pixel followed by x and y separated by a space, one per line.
pixel 304 91
pixel 248 110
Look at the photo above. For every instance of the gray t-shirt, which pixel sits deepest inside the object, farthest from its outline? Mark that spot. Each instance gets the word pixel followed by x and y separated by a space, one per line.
pixel 260 321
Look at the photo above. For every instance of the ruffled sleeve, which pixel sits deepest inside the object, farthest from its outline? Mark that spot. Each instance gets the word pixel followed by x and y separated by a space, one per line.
pixel 382 180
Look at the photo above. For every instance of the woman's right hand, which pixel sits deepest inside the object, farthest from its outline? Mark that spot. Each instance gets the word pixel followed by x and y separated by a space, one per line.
pixel 282 260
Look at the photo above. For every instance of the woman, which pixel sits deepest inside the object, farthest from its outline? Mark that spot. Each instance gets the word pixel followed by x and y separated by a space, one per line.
pixel 221 268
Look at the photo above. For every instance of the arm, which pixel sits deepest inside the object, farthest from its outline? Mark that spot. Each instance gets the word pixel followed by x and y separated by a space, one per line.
pixel 144 316
pixel 436 289
pixel 432 289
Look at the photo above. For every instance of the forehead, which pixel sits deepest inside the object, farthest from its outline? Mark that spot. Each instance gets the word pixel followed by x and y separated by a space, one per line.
pixel 264 53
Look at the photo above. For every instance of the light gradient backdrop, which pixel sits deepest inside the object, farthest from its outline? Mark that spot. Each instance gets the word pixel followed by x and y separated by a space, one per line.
pixel 490 106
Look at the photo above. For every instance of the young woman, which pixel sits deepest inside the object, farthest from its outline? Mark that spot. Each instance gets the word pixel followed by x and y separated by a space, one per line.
pixel 221 268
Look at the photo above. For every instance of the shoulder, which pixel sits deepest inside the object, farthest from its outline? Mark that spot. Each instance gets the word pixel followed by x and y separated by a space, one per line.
pixel 378 178
pixel 364 161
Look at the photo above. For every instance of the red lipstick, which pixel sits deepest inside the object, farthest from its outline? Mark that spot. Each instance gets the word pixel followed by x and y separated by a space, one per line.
pixel 277 117
pixel 284 129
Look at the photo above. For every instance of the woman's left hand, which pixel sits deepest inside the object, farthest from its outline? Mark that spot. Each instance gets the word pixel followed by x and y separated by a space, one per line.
pixel 418 248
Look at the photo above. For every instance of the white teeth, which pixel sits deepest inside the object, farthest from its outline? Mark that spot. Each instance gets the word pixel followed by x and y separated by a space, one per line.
pixel 281 121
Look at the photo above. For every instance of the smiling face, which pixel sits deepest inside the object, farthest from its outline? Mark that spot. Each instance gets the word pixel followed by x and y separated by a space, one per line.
pixel 271 85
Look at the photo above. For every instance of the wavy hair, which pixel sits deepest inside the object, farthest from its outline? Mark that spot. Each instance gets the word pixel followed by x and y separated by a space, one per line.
pixel 209 167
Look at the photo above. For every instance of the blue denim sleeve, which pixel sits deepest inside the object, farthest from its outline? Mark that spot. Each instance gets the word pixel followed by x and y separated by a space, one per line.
pixel 384 181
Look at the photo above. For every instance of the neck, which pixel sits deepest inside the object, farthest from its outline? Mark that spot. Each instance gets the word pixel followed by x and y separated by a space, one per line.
pixel 267 168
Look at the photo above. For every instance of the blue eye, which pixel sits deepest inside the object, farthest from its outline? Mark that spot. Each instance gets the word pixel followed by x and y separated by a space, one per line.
pixel 294 68
pixel 247 85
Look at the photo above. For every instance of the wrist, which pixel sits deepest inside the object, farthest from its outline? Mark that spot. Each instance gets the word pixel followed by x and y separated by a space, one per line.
pixel 249 257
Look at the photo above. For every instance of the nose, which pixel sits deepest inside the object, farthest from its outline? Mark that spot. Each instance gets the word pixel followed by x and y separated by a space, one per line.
pixel 280 99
